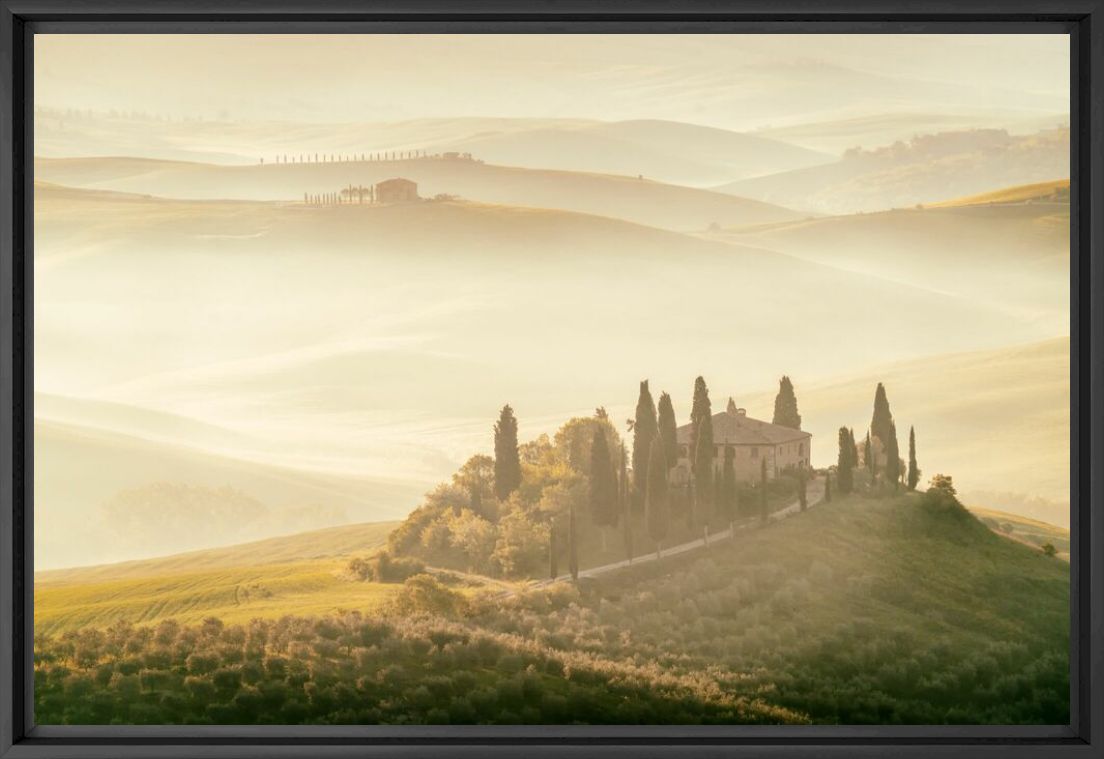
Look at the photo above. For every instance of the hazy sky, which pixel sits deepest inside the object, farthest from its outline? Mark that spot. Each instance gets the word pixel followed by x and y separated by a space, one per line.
pixel 730 81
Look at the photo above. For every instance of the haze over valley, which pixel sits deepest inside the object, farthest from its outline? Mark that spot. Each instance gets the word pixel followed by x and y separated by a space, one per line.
pixel 229 349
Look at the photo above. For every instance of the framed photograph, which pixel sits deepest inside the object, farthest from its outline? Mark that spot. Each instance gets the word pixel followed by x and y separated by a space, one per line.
pixel 635 379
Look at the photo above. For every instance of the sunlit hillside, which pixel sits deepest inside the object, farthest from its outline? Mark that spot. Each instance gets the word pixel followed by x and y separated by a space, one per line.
pixel 1057 191
pixel 803 621
pixel 632 198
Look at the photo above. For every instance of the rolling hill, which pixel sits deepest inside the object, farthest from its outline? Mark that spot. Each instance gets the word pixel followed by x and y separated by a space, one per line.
pixel 862 610
pixel 668 151
pixel 102 496
pixel 1017 237
pixel 639 200
pixel 926 169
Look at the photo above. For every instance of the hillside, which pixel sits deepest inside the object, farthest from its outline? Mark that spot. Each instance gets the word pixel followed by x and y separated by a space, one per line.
pixel 669 151
pixel 332 542
pixel 640 200
pixel 1056 192
pixel 926 169
pixel 1031 532
pixel 1017 237
pixel 807 620
pixel 102 496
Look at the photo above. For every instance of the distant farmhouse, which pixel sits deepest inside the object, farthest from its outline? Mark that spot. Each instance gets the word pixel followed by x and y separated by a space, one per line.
pixel 752 441
pixel 396 190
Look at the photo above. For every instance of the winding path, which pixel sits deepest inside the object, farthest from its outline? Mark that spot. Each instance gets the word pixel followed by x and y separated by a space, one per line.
pixel 814 495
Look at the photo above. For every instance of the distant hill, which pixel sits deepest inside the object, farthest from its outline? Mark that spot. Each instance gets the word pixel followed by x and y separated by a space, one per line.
pixel 1031 532
pixel 328 543
pixel 668 151
pixel 643 201
pixel 925 169
pixel 102 496
pixel 1017 238
pixel 1054 192
pixel 878 130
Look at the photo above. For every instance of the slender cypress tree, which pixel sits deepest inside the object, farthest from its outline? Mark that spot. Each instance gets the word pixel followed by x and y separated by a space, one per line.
pixel 763 491
pixel 603 485
pixel 507 463
pixel 572 543
pixel 913 469
pixel 785 405
pixel 844 464
pixel 893 458
pixel 726 501
pixel 668 429
pixel 656 502
pixel 854 446
pixel 703 473
pixel 700 409
pixel 868 456
pixel 626 506
pixel 553 560
pixel 645 428
pixel 881 422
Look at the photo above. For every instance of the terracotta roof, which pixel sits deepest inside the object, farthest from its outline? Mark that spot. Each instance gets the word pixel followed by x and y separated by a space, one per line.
pixel 736 428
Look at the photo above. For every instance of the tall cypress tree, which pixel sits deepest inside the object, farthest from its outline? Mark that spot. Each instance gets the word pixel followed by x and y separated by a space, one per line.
pixel 668 429
pixel 868 456
pixel 893 458
pixel 507 464
pixel 726 499
pixel 785 405
pixel 553 560
pixel 703 473
pixel 603 485
pixel 882 420
pixel 854 447
pixel 913 469
pixel 845 464
pixel 700 409
pixel 645 429
pixel 763 491
pixel 656 501
pixel 572 542
pixel 626 506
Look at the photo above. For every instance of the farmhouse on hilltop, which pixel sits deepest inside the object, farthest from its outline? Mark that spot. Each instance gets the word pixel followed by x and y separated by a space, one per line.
pixel 752 441
pixel 396 190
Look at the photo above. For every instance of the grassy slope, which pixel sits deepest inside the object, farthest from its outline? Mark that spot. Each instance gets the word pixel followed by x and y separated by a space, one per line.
pixel 332 542
pixel 299 574
pixel 859 609
pixel 629 198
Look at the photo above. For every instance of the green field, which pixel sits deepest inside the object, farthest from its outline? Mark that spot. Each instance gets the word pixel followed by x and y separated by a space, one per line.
pixel 903 610
pixel 300 574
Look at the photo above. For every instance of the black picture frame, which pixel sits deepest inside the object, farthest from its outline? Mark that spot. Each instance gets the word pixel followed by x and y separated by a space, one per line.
pixel 20 20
